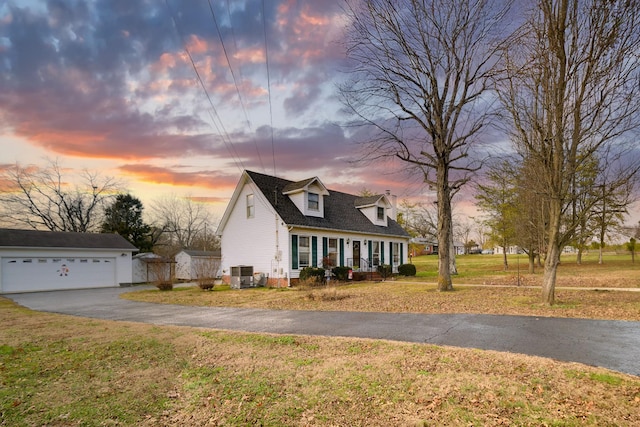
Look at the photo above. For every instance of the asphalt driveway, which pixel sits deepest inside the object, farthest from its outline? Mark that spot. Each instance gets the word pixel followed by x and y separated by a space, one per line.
pixel 610 344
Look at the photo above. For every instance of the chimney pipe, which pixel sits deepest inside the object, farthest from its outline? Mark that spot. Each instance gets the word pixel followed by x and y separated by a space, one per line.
pixel 394 207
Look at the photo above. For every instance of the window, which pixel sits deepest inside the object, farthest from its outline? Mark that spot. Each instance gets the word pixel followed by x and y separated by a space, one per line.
pixel 42 261
pixel 303 251
pixel 250 206
pixel 27 260
pixel 375 253
pixel 332 251
pixel 314 202
pixel 396 253
pixel 380 213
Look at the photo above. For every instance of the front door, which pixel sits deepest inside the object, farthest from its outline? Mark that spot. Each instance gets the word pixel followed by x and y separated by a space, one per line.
pixel 356 254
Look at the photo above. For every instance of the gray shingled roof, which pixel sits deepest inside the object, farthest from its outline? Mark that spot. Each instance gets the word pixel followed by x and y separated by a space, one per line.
pixel 196 253
pixel 61 239
pixel 366 201
pixel 292 186
pixel 340 212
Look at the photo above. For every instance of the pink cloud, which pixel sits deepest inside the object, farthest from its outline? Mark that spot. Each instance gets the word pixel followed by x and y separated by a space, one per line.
pixel 213 180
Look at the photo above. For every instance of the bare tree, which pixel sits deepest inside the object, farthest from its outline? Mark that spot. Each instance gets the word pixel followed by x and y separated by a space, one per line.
pixel 420 219
pixel 42 198
pixel 497 198
pixel 462 231
pixel 185 224
pixel 207 270
pixel 420 69
pixel 615 191
pixel 531 213
pixel 572 77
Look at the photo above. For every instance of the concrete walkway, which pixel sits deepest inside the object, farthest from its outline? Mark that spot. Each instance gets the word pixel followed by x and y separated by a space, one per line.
pixel 610 344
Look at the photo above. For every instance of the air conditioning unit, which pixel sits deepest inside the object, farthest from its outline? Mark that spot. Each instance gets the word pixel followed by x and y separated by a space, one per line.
pixel 242 277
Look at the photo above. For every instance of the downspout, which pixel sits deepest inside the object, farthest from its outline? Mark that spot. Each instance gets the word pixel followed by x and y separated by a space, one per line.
pixel 277 251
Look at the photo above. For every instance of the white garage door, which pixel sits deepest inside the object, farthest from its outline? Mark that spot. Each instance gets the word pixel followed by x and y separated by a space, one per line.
pixel 43 274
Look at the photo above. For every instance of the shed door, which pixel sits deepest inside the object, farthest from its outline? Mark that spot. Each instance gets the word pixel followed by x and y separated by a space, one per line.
pixel 49 273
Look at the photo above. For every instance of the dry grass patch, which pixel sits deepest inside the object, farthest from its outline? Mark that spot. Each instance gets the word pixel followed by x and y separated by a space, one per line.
pixel 412 297
pixel 61 370
pixel 498 293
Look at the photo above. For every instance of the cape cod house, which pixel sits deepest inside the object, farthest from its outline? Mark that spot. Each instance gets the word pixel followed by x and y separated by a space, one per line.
pixel 273 228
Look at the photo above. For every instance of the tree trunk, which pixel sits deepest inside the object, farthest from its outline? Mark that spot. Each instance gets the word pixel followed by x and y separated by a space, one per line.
pixel 532 262
pixel 505 263
pixel 444 232
pixel 579 257
pixel 453 269
pixel 550 273
pixel 552 259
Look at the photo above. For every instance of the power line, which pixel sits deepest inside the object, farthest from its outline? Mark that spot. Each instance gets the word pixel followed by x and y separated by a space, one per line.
pixel 266 57
pixel 235 82
pixel 228 143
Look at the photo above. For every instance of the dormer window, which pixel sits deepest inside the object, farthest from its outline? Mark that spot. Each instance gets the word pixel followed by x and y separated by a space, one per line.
pixel 313 202
pixel 374 208
pixel 308 196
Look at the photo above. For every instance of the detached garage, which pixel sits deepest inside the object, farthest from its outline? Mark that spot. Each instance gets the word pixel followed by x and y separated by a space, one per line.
pixel 33 260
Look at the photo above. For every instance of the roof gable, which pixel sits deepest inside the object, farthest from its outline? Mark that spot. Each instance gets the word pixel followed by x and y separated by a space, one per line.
pixel 304 185
pixel 377 200
pixel 63 239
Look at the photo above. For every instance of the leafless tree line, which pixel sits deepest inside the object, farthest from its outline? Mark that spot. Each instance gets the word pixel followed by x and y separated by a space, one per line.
pixel 47 198
pixel 560 77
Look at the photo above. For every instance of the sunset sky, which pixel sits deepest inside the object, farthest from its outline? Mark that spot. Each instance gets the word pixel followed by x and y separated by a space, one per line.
pixel 109 85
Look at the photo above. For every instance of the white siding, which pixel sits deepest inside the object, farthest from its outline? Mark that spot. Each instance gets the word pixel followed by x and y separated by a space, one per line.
pixel 252 241
pixel 183 266
pixel 145 269
pixel 28 270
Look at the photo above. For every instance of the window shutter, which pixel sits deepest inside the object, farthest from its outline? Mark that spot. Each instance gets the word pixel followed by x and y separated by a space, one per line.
pixel 325 247
pixel 370 253
pixel 341 252
pixel 401 253
pixel 381 253
pixel 314 251
pixel 294 251
pixel 391 253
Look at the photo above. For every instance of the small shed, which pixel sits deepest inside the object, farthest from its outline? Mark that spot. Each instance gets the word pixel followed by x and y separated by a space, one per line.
pixel 193 264
pixel 32 260
pixel 148 267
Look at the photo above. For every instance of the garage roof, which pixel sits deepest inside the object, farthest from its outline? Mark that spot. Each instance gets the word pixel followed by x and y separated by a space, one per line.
pixel 63 239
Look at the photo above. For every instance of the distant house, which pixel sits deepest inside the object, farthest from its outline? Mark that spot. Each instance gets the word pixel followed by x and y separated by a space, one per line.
pixel 33 260
pixel 276 227
pixel 510 250
pixel 192 264
pixel 424 246
pixel 148 267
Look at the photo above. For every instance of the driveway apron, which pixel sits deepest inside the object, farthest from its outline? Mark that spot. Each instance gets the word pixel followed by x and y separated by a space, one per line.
pixel 610 344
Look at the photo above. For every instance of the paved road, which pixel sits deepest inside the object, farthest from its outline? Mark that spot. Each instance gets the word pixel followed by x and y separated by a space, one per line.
pixel 610 344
